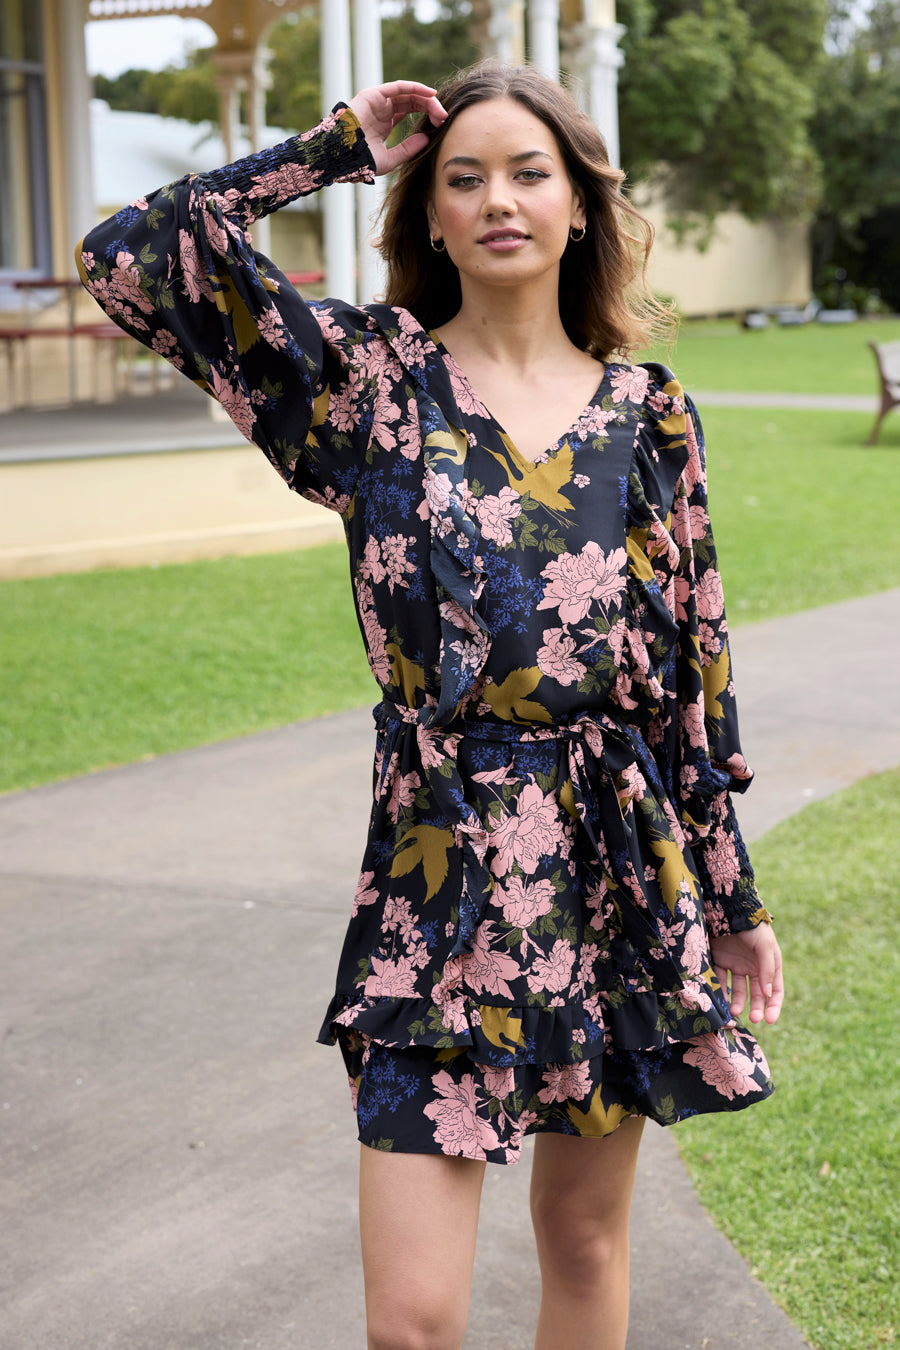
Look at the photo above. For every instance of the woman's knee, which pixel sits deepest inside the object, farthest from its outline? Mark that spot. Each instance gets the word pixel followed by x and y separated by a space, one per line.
pixel 408 1326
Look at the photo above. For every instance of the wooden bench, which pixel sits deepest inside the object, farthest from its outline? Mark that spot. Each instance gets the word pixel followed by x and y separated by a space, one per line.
pixel 887 354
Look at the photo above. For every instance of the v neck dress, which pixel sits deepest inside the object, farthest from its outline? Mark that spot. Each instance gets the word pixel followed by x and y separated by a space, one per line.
pixel 552 839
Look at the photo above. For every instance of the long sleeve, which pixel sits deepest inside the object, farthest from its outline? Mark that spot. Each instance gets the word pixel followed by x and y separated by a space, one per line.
pixel 177 271
pixel 704 741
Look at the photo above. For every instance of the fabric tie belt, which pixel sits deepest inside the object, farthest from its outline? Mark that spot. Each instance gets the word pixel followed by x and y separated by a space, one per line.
pixel 598 807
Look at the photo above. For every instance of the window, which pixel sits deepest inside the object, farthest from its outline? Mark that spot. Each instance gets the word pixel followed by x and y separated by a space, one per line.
pixel 24 194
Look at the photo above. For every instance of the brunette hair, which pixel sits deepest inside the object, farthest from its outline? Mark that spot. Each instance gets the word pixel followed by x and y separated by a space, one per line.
pixel 604 302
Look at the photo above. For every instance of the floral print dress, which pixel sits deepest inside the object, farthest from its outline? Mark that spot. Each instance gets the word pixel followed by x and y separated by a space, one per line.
pixel 552 839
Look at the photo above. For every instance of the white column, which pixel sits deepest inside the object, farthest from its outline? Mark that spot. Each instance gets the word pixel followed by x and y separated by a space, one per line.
pixel 603 84
pixel 543 36
pixel 368 71
pixel 258 83
pixel 337 200
pixel 76 96
pixel 504 31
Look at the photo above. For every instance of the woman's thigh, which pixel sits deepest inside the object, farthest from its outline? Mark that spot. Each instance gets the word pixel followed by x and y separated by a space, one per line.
pixel 418 1216
pixel 581 1188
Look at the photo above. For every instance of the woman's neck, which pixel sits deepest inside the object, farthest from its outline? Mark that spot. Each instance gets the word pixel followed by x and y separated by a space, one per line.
pixel 510 327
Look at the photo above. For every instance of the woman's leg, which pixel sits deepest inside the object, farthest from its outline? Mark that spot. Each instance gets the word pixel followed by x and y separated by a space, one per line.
pixel 580 1205
pixel 418 1219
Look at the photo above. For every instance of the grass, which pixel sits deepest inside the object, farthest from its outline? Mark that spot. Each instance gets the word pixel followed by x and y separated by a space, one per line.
pixel 802 511
pixel 805 1185
pixel 814 359
pixel 110 667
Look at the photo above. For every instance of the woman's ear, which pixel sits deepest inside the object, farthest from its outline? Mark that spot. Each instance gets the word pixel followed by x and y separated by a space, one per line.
pixel 579 212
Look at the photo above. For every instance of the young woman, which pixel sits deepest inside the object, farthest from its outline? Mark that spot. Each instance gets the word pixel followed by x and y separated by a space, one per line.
pixel 555 925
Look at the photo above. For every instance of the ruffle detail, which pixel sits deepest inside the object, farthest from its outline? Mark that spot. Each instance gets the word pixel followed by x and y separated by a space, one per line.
pixel 636 1022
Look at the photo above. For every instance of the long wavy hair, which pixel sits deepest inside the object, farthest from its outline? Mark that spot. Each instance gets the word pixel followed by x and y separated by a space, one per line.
pixel 605 304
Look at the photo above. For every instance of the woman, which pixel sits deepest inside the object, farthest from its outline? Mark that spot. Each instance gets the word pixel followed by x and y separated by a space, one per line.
pixel 555 904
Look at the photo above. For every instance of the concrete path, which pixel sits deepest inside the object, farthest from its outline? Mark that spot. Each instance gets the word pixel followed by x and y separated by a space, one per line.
pixel 177 1156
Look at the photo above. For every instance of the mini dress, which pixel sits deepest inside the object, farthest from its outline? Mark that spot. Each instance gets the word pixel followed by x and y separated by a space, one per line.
pixel 552 839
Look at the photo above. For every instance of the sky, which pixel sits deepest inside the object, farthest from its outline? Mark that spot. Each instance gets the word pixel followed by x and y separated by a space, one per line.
pixel 153 43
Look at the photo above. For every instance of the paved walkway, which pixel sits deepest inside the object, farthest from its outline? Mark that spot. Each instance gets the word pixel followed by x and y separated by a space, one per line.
pixel 177 1157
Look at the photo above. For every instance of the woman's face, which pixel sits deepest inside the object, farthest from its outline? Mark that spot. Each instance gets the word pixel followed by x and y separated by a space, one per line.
pixel 502 200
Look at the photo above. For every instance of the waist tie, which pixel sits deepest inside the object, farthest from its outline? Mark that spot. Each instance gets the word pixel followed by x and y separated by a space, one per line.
pixel 597 803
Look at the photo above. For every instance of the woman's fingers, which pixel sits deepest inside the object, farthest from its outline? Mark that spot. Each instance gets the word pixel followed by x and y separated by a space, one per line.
pixel 380 109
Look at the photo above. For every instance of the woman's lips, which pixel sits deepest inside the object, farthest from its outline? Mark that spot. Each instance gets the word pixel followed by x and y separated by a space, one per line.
pixel 503 241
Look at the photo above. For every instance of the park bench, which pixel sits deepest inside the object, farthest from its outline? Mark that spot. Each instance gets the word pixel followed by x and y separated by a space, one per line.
pixel 887 354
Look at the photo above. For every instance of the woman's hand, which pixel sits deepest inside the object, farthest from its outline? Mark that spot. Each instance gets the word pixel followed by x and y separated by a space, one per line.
pixel 379 110
pixel 752 957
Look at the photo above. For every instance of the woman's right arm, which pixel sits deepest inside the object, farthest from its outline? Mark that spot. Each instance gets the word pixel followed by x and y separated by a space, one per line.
pixel 177 270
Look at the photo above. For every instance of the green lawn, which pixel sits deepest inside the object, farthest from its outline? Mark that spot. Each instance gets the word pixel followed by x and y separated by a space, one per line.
pixel 814 359
pixel 109 667
pixel 806 1184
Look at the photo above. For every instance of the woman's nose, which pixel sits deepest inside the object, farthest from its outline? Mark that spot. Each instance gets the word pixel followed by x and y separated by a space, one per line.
pixel 499 199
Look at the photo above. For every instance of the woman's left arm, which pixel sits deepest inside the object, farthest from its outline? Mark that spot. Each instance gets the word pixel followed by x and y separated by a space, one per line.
pixel 711 765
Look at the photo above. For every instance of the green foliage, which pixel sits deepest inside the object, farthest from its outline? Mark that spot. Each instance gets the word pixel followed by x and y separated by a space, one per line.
pixel 716 104
pixel 856 136
pixel 805 1184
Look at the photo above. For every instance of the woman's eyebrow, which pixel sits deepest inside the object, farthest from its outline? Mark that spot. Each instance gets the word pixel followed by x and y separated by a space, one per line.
pixel 511 159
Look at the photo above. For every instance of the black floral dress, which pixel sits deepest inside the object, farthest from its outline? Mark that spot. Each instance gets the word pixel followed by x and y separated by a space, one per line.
pixel 552 839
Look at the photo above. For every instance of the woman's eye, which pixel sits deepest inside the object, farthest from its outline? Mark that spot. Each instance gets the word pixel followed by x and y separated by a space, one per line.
pixel 532 175
pixel 464 180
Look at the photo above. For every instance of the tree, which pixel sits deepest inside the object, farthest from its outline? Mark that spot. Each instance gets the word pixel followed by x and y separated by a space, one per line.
pixel 856 136
pixel 716 103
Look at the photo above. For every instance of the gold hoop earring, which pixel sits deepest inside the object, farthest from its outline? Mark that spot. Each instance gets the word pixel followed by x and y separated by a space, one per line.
pixel 575 236
pixel 434 244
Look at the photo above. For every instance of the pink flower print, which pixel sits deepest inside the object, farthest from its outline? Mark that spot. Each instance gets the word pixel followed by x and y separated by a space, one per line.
pixel 693 470
pixel 470 653
pixel 332 333
pixel 458 1128
pixel 694 997
pixel 498 1082
pixel 524 902
pixel 630 785
pixel 554 972
pixel 531 834
pixel 682 596
pixel 413 352
pixel 87 260
pixel 487 969
pixel 693 725
pixel 271 328
pixel 366 893
pixel 370 567
pixel 695 956
pixel 592 421
pixel 235 402
pixel 722 863
pixel 630 382
pixel 710 644
pixel 565 1082
pixel 660 402
pixel 496 514
pixel 579 1035
pixel 164 342
pixel 497 777
pixel 396 564
pixel 343 406
pixel 391 979
pixel 573 581
pixel 557 659
pixel 710 601
pixel 437 493
pixel 466 399
pixel 374 635
pixel 728 1069
pixel 196 281
pixel 125 282
pixel 403 793
pixel 408 432
pixel 285 183
pixel 581 480
pixel 431 748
